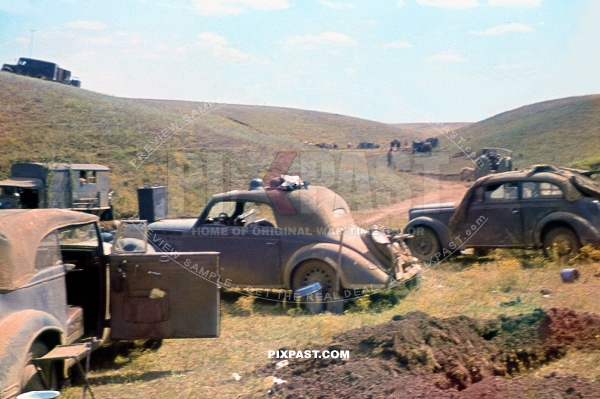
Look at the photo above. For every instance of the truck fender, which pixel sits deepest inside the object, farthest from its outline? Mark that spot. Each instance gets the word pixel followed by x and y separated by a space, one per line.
pixel 586 232
pixel 440 229
pixel 367 275
pixel 17 333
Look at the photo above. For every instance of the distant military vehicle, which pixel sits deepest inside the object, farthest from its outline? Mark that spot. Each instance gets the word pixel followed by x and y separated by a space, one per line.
pixel 433 140
pixel 367 145
pixel 79 187
pixel 42 70
pixel 491 162
pixel 422 146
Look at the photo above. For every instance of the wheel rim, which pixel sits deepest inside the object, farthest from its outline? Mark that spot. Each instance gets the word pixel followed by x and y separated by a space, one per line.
pixel 425 246
pixel 317 274
pixel 563 243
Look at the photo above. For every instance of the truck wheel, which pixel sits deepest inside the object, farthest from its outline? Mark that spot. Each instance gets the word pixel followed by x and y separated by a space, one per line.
pixel 560 243
pixel 425 245
pixel 30 378
pixel 313 271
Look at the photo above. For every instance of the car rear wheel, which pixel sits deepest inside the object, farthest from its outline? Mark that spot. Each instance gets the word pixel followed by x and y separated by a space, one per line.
pixel 30 378
pixel 330 298
pixel 561 243
pixel 425 244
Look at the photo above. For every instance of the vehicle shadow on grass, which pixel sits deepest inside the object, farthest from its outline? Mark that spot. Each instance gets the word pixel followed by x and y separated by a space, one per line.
pixel 131 377
pixel 115 355
pixel 244 304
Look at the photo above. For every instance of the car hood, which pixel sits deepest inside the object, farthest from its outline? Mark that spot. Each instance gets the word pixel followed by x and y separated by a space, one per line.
pixel 172 224
pixel 444 206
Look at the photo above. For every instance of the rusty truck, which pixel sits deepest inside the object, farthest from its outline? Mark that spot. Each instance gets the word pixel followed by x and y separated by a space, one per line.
pixel 79 187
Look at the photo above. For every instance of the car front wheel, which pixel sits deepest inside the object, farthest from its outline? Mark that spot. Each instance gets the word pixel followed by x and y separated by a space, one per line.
pixel 31 377
pixel 425 244
pixel 561 243
pixel 329 298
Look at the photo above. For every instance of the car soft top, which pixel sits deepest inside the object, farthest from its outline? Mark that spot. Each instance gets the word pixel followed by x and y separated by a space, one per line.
pixel 21 231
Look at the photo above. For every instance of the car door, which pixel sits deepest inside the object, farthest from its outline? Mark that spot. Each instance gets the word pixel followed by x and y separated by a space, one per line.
pixel 161 295
pixel 495 219
pixel 539 199
pixel 250 250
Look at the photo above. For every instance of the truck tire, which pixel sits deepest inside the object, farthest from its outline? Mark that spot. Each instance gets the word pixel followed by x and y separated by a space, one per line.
pixel 30 378
pixel 425 245
pixel 560 243
pixel 313 271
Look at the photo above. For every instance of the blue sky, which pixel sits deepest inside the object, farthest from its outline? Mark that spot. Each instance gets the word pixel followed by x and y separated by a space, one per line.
pixel 391 61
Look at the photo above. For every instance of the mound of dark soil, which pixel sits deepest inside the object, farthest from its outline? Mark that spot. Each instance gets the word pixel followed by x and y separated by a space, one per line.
pixel 419 356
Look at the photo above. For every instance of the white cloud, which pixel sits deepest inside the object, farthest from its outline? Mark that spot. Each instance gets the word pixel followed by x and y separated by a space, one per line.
pixel 14 7
pixel 210 38
pixel 397 44
pixel 498 30
pixel 101 40
pixel 515 3
pixel 233 7
pixel 217 46
pixel 334 4
pixel 460 4
pixel 400 3
pixel 86 25
pixel 350 71
pixel 445 57
pixel 310 41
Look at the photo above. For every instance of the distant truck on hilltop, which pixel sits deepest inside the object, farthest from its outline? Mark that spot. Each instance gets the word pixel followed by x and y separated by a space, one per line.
pixel 42 70
pixel 79 187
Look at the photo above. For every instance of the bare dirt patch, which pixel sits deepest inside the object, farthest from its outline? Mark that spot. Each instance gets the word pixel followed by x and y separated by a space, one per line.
pixel 420 356
pixel 425 190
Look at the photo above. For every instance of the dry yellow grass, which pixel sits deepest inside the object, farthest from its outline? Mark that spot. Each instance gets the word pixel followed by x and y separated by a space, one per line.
pixel 203 368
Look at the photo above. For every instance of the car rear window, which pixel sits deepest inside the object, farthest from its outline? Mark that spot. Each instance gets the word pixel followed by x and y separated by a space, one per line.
pixel 542 190
pixel 79 236
pixel 48 252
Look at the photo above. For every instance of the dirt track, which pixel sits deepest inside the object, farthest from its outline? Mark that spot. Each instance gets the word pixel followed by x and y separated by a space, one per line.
pixel 418 356
pixel 443 191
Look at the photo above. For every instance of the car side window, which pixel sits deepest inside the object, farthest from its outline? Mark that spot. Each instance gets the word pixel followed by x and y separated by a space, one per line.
pixel 499 192
pixel 226 207
pixel 263 215
pixel 48 252
pixel 532 190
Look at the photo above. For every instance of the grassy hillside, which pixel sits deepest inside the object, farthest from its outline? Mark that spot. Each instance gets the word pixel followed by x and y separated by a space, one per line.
pixel 558 132
pixel 196 149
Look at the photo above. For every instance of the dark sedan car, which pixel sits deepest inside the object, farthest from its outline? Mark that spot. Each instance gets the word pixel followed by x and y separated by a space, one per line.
pixel 288 236
pixel 541 207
